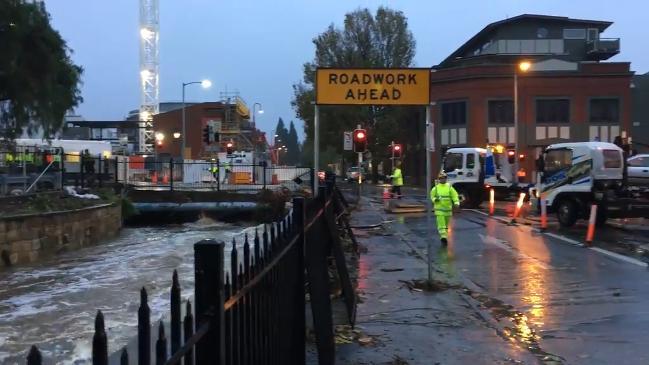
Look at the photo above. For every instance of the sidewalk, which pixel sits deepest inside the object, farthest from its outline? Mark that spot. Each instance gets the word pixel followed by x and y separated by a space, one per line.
pixel 400 324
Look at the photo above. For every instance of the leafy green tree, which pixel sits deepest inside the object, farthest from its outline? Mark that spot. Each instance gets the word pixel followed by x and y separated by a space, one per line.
pixel 39 82
pixel 368 41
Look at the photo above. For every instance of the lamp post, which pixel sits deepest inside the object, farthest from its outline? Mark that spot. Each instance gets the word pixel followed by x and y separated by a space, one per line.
pixel 206 84
pixel 523 66
pixel 260 111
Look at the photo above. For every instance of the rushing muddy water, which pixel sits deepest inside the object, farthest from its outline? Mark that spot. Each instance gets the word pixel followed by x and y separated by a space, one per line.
pixel 53 304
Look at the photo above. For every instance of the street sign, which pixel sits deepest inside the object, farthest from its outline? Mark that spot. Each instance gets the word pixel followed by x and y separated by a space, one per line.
pixel 389 86
pixel 347 141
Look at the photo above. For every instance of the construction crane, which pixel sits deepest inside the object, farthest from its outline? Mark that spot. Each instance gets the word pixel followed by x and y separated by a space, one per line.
pixel 149 73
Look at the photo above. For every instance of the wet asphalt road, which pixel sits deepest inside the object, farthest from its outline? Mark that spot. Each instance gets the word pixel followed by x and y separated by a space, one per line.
pixel 566 304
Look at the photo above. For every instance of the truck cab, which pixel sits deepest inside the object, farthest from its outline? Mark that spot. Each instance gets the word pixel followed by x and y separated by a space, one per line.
pixel 473 170
pixel 577 175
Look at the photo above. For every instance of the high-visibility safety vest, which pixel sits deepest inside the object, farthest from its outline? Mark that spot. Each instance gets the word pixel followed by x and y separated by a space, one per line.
pixel 444 197
pixel 397 177
pixel 214 169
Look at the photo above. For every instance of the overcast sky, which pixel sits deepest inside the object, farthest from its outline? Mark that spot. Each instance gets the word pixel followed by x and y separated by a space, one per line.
pixel 258 47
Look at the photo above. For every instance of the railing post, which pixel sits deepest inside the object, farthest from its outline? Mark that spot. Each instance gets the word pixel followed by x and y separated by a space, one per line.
pixel 208 265
pixel 171 174
pixel 299 323
pixel 218 175
pixel 318 274
pixel 34 357
pixel 116 170
pixel 188 329
pixel 99 342
pixel 175 313
pixel 144 330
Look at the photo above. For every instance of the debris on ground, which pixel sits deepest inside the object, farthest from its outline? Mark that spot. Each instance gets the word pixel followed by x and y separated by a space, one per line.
pixel 393 269
pixel 345 334
pixel 427 286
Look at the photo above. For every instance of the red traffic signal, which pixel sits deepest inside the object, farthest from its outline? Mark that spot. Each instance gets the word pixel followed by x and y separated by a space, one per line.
pixel 396 150
pixel 229 148
pixel 360 140
pixel 511 156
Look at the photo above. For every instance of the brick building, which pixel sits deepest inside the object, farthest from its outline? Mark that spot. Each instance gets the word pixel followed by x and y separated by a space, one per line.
pixel 228 121
pixel 567 94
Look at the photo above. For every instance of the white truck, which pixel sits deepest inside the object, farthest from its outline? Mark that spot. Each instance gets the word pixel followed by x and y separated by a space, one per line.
pixel 472 171
pixel 577 175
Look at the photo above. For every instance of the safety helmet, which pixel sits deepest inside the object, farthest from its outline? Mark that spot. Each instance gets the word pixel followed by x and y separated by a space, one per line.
pixel 442 175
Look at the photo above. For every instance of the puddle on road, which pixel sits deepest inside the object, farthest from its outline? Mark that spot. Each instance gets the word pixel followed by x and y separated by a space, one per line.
pixel 520 332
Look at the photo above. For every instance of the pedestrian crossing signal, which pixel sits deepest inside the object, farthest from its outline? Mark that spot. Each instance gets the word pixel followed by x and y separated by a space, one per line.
pixel 360 140
pixel 396 151
pixel 229 148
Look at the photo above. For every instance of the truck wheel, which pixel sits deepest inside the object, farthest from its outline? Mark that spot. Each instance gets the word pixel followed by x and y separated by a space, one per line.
pixel 567 213
pixel 465 198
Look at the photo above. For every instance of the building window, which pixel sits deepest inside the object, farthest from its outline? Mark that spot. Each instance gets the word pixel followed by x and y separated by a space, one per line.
pixel 574 34
pixel 454 113
pixel 553 111
pixel 501 112
pixel 605 111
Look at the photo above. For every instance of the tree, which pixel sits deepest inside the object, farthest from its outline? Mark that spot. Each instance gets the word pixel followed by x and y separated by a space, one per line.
pixel 39 82
pixel 280 140
pixel 293 145
pixel 366 40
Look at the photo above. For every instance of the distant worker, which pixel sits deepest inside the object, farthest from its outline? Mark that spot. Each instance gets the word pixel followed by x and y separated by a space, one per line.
pixel 445 200
pixel 397 181
pixel 226 166
pixel 214 169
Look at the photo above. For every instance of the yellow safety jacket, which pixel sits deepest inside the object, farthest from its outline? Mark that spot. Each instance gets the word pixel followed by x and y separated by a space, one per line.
pixel 397 177
pixel 444 197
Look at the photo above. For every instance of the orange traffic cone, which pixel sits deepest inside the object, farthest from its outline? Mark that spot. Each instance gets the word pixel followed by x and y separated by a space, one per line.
pixel 165 179
pixel 154 177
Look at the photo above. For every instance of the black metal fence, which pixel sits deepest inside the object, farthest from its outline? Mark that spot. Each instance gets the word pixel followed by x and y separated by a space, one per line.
pixel 252 312
pixel 210 175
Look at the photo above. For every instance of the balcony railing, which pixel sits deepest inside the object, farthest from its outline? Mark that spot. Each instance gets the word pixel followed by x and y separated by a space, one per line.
pixel 604 48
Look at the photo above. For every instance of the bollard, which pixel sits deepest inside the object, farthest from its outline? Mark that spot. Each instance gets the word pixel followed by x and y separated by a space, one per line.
pixel 492 201
pixel 519 205
pixel 544 214
pixel 386 198
pixel 591 224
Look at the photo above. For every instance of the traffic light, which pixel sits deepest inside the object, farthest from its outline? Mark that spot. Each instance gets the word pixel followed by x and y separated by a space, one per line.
pixel 360 140
pixel 206 134
pixel 521 157
pixel 511 156
pixel 396 151
pixel 216 137
pixel 229 148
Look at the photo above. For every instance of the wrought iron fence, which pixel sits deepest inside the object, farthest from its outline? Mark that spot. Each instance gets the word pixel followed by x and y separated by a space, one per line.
pixel 252 312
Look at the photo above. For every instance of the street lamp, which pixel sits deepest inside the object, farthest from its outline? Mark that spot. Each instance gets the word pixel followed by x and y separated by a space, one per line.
pixel 260 111
pixel 523 66
pixel 176 135
pixel 206 84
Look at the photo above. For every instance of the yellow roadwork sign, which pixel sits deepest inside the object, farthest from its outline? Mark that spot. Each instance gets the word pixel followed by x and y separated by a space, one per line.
pixel 390 86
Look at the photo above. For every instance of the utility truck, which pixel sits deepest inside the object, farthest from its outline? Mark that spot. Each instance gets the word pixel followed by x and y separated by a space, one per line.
pixel 472 171
pixel 577 175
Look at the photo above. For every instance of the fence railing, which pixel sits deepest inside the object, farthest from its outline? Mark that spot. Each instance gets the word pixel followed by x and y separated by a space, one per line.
pixel 210 175
pixel 253 311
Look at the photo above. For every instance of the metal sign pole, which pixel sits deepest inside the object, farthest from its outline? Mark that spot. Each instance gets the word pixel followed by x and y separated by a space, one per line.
pixel 316 148
pixel 429 204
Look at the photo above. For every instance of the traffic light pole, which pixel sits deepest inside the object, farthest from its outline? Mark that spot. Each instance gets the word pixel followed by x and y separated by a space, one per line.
pixel 392 149
pixel 429 203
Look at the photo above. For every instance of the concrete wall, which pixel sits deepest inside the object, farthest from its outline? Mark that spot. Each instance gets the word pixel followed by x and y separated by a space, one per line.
pixel 27 238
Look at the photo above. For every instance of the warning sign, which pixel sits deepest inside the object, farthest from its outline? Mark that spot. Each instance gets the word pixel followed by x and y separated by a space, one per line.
pixel 393 86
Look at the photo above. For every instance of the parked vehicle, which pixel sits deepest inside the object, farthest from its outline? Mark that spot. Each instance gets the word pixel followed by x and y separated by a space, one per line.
pixel 353 173
pixel 638 170
pixel 578 175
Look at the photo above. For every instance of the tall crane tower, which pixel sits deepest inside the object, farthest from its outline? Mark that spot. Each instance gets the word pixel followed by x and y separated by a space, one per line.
pixel 149 73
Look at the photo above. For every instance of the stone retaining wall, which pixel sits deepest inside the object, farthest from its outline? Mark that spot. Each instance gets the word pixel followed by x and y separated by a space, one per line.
pixel 26 238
